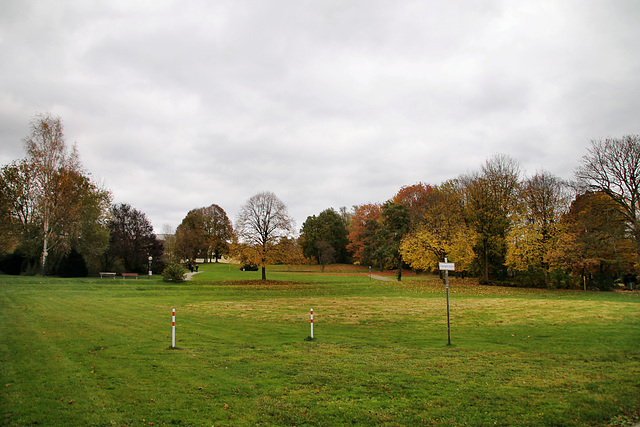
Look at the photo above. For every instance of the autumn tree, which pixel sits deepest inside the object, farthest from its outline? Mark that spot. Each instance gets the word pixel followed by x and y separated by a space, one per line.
pixel 204 233
pixel 19 228
pixel 190 239
pixel 219 230
pixel 416 198
pixel 542 202
pixel 51 203
pixel 132 240
pixel 593 239
pixel 262 221
pixel 489 199
pixel 363 233
pixel 612 166
pixel 324 238
pixel 287 251
pixel 441 232
pixel 51 166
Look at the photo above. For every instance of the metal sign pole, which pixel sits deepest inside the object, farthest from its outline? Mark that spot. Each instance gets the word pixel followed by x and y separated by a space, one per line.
pixel 446 279
pixel 446 266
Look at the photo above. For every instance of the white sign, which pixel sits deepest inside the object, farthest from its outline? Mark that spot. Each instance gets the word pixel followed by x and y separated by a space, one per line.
pixel 447 266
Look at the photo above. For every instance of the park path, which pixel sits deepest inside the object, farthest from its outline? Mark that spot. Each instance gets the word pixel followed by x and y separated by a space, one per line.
pixel 383 278
pixel 188 276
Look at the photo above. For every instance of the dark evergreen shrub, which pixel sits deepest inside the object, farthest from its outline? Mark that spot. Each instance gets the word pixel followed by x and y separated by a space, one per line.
pixel 13 264
pixel 174 273
pixel 602 282
pixel 249 267
pixel 73 265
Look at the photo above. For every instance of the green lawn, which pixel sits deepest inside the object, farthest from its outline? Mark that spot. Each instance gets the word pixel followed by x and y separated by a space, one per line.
pixel 96 352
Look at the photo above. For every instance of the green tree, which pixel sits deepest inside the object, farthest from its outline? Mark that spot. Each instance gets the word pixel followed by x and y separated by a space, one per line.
pixel 320 233
pixel 395 221
pixel 132 240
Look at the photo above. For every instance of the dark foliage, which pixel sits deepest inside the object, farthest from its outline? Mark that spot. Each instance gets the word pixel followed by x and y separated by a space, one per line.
pixel 73 265
pixel 249 267
pixel 132 240
pixel 323 235
pixel 13 264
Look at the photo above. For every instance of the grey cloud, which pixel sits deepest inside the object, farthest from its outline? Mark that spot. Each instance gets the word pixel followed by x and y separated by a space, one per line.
pixel 178 105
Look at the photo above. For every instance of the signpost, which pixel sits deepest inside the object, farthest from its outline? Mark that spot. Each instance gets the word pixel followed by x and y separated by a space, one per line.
pixel 447 267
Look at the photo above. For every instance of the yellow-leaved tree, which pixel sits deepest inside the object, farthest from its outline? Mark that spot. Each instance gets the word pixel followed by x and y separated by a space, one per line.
pixel 442 232
pixel 543 200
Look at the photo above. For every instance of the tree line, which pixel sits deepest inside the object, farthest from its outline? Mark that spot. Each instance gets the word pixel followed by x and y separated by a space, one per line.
pixel 494 223
pixel 499 225
pixel 55 219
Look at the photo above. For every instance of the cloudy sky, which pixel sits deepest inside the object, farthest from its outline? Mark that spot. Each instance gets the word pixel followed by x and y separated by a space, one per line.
pixel 180 104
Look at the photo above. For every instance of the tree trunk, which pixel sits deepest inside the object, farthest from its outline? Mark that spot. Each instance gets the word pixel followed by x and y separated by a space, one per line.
pixel 44 256
pixel 45 247
pixel 485 273
pixel 264 272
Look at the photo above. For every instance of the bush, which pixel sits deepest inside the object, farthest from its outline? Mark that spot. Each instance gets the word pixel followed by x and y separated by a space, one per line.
pixel 562 280
pixel 249 267
pixel 13 264
pixel 174 273
pixel 602 282
pixel 73 265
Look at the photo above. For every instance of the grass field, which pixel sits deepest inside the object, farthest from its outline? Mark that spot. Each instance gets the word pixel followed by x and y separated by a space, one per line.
pixel 96 352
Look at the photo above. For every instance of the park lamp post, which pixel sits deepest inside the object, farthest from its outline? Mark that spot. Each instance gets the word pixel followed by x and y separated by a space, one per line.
pixel 150 259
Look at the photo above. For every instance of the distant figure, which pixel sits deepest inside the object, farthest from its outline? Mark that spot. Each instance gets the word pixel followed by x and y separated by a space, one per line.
pixel 197 267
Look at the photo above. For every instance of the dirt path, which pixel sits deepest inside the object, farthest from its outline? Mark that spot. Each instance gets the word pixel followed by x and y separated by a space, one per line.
pixel 383 278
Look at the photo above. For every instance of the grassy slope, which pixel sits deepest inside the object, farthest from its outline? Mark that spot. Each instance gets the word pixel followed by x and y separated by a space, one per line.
pixel 96 352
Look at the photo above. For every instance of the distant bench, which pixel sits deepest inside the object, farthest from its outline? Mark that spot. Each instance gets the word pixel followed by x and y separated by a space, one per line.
pixel 124 275
pixel 107 274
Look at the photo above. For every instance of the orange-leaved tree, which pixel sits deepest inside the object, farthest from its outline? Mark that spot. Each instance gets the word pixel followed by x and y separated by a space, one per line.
pixel 363 230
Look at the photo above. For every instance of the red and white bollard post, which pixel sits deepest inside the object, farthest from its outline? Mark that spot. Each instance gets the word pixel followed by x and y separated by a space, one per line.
pixel 173 328
pixel 312 323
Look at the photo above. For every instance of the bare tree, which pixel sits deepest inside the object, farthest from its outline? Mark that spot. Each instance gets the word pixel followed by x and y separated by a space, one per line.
pixel 612 166
pixel 263 220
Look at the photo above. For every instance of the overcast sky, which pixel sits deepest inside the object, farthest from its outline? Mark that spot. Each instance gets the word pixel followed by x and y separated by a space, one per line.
pixel 176 105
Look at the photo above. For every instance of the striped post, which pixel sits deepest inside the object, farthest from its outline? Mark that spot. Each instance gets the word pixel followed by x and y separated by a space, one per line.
pixel 312 323
pixel 173 328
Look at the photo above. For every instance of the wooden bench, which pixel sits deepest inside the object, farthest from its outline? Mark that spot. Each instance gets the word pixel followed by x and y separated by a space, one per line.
pixel 129 275
pixel 107 274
